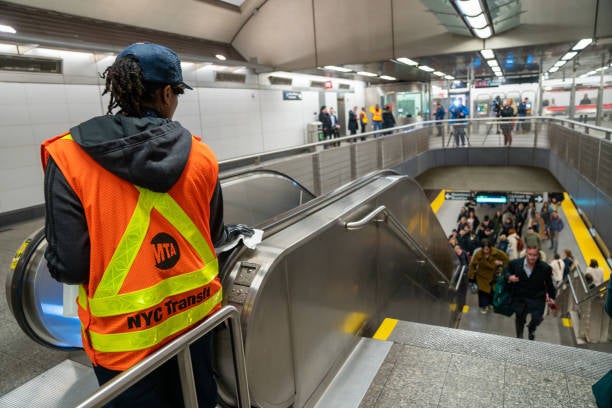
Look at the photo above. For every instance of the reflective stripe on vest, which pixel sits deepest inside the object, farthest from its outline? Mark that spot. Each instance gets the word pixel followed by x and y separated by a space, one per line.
pixel 108 302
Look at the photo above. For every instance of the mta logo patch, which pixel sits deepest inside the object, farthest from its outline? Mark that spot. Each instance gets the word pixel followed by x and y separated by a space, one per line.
pixel 165 250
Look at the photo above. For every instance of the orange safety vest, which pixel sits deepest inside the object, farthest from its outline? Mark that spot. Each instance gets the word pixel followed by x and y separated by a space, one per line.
pixel 376 114
pixel 363 117
pixel 153 268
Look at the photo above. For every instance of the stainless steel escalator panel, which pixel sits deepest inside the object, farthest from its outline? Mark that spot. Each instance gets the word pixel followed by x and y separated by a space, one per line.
pixel 36 299
pixel 314 287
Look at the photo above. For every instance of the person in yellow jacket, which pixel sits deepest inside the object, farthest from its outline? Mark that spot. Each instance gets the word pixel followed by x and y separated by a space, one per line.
pixel 133 212
pixel 377 119
pixel 483 266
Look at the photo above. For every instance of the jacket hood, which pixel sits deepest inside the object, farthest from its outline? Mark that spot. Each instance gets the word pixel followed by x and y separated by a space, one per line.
pixel 149 152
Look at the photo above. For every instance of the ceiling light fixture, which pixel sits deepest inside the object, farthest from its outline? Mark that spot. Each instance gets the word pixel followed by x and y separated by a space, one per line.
pixel 553 69
pixel 407 61
pixel 7 29
pixel 440 74
pixel 475 16
pixel 568 56
pixel 582 44
pixel 365 73
pixel 487 54
pixel 493 63
pixel 426 68
pixel 560 63
pixel 335 68
pixel 388 78
pixel 449 77
pixel 220 57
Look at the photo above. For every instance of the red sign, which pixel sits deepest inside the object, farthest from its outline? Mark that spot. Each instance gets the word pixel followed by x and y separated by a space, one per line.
pixel 328 85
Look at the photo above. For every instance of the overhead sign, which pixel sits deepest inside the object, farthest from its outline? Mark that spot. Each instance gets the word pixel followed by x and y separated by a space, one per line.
pixel 329 85
pixel 459 195
pixel 525 197
pixel 292 95
pixel 491 198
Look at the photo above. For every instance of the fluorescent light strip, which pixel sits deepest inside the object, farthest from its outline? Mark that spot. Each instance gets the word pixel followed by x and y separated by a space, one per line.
pixel 553 69
pixel 480 21
pixel 388 78
pixel 569 55
pixel 426 68
pixel 221 57
pixel 469 7
pixel 7 29
pixel 582 44
pixel 449 77
pixel 368 74
pixel 560 63
pixel 485 32
pixel 440 74
pixel 335 68
pixel 407 61
pixel 493 63
pixel 498 73
pixel 487 54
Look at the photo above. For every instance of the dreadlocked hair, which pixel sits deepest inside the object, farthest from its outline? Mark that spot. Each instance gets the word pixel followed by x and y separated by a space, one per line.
pixel 128 90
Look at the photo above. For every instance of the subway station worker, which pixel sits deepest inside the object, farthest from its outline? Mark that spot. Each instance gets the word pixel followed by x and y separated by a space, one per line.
pixel 134 208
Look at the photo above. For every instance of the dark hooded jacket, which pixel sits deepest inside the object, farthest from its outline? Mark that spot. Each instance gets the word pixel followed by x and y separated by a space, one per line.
pixel 149 152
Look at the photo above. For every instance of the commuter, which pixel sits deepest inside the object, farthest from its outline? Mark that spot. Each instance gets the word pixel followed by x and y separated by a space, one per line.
pixel 503 244
pixel 596 272
pixel 520 215
pixel 585 100
pixel 352 122
pixel 557 266
pixel 522 112
pixel 593 277
pixel 545 215
pixel 377 119
pixel 388 119
pixel 555 226
pixel 458 113
pixel 569 264
pixel 532 239
pixel 494 113
pixel 461 255
pixel 555 204
pixel 498 222
pixel 530 281
pixel 514 248
pixel 463 213
pixel 483 267
pixel 439 116
pixel 326 123
pixel 335 125
pixel 507 112
pixel 363 119
pixel 159 186
pixel 472 220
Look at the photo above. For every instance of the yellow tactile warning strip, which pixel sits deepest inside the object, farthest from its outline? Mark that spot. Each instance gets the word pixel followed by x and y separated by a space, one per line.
pixel 437 203
pixel 385 329
pixel 585 241
pixel 567 322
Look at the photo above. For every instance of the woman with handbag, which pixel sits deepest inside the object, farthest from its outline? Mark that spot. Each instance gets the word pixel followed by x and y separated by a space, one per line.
pixel 482 271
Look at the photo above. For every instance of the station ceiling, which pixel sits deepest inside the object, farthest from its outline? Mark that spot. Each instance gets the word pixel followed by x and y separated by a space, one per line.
pixel 305 35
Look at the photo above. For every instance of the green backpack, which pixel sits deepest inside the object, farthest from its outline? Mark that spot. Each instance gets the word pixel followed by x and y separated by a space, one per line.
pixel 502 299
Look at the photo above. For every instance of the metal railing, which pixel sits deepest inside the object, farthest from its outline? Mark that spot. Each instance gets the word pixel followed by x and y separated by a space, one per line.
pixel 382 215
pixel 180 348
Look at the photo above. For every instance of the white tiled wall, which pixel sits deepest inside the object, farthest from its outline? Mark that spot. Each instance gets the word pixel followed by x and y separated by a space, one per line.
pixel 233 122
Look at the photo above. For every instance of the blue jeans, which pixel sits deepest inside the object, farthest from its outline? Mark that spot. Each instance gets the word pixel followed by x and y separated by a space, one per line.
pixel 162 388
pixel 376 125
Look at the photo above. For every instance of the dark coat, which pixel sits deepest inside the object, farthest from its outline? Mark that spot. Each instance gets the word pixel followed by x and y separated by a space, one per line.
pixel 388 119
pixel 325 120
pixel 352 122
pixel 531 290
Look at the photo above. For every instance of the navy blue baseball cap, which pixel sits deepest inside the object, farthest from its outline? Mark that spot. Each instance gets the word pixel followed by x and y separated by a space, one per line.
pixel 158 64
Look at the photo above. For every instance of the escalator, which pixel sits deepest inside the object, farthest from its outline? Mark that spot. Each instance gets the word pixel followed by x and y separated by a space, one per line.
pixel 327 272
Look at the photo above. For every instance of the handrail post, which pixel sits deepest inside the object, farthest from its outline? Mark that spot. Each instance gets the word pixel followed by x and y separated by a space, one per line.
pixel 239 363
pixel 190 398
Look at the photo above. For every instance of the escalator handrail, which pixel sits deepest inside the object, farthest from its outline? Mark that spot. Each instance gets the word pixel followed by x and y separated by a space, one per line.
pixel 382 215
pixel 225 177
pixel 180 348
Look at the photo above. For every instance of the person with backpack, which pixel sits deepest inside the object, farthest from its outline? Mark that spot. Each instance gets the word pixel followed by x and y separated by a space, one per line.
pixel 515 244
pixel 483 266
